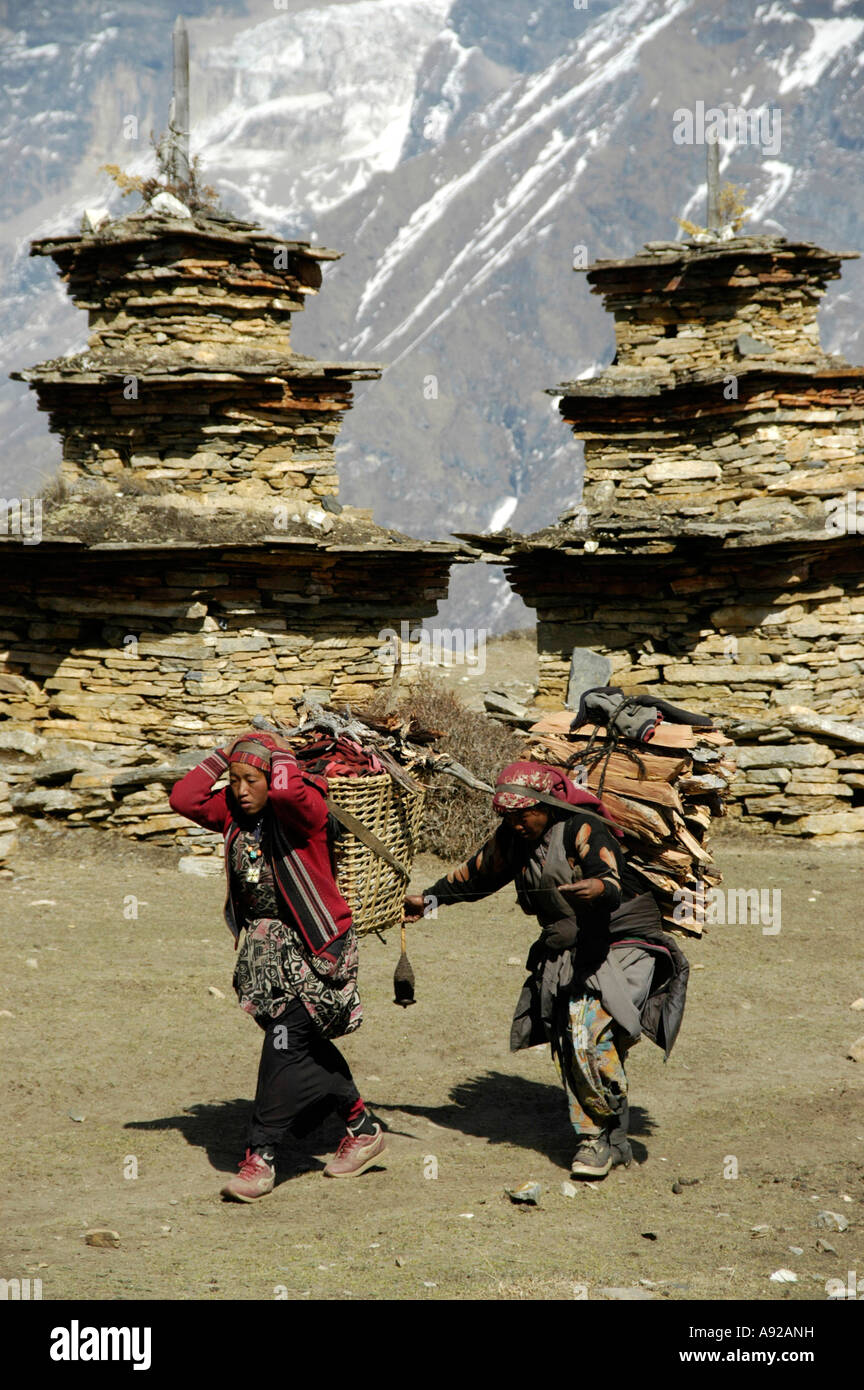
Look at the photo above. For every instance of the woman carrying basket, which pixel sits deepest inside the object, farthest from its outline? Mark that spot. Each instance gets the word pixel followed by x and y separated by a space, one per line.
pixel 296 969
pixel 602 972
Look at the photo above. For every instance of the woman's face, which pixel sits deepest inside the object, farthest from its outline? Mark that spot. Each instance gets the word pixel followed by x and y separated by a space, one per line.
pixel 529 823
pixel 250 787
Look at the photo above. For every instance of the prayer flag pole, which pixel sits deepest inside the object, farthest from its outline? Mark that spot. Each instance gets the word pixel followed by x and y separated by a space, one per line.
pixel 179 120
pixel 713 180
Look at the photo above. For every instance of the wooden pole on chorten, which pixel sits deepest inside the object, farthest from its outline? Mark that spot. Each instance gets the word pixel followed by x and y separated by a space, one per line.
pixel 178 123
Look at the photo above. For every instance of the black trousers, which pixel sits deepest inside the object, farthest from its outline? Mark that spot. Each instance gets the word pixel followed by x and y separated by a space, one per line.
pixel 302 1077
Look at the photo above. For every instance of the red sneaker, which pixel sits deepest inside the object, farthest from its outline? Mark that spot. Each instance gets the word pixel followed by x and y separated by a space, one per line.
pixel 355 1154
pixel 254 1179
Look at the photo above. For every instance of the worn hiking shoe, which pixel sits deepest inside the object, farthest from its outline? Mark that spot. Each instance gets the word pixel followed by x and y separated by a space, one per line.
pixel 622 1154
pixel 255 1179
pixel 592 1159
pixel 355 1154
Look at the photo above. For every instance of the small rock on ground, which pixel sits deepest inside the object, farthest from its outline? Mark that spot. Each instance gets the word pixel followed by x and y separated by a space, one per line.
pixel 832 1221
pixel 528 1193
pixel 103 1238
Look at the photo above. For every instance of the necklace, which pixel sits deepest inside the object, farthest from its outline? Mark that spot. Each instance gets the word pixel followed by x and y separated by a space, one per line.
pixel 254 852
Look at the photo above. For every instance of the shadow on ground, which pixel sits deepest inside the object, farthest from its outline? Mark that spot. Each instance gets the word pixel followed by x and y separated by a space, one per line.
pixel 220 1128
pixel 513 1110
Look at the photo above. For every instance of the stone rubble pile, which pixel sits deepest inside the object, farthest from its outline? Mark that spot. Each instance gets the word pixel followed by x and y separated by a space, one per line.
pixel 53 782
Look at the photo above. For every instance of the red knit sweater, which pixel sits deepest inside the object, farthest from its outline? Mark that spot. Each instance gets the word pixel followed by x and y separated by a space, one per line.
pixel 307 891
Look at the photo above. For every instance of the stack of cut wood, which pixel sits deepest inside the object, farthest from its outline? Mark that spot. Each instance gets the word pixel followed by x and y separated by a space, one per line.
pixel 663 795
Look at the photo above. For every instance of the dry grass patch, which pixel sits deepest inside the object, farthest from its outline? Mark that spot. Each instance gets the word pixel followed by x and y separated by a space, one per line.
pixel 457 819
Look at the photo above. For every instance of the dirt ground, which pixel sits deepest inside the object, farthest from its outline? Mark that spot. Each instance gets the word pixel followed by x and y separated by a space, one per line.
pixel 507 664
pixel 121 1062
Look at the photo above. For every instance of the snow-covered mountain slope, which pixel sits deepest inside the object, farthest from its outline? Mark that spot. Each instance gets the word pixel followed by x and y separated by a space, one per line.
pixel 474 287
pixel 330 88
pixel 460 152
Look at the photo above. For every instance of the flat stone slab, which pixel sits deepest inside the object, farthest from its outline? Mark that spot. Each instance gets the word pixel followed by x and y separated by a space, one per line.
pixel 587 670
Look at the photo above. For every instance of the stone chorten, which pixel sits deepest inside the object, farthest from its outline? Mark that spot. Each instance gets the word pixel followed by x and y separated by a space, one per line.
pixel 189 377
pixel 194 566
pixel 198 488
pixel 715 560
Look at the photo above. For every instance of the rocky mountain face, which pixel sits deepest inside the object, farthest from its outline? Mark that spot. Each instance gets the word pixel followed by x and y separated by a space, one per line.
pixel 463 154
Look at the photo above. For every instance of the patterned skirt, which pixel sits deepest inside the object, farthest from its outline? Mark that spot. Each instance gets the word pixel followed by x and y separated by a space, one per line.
pixel 591 1065
pixel 273 967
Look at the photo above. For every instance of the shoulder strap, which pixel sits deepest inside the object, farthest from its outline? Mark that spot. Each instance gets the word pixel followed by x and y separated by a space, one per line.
pixel 366 836
pixel 549 800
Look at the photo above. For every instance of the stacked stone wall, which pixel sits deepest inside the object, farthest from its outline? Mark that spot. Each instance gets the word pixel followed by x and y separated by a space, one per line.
pixel 247 439
pixel 189 379
pixel 750 644
pixel 804 445
pixel 680 306
pixel 151 284
pixel 120 659
pixel 107 681
pixel 697 335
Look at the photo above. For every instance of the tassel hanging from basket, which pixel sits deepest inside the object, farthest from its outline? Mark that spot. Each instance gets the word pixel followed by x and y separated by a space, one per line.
pixel 403 978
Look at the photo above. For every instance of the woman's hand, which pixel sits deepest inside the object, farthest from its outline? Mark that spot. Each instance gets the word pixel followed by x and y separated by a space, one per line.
pixel 268 740
pixel 415 907
pixel 229 747
pixel 586 888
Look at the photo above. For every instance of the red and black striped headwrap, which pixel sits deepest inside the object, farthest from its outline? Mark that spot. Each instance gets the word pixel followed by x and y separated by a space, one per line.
pixel 255 752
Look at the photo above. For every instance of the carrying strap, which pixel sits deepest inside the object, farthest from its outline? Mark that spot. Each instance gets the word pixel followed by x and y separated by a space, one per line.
pixel 549 800
pixel 356 827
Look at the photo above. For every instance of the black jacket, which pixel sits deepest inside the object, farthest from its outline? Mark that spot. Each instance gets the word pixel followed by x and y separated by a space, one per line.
pixel 638 922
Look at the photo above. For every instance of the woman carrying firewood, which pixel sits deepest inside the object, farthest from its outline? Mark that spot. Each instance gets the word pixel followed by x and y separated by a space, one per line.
pixel 602 972
pixel 296 969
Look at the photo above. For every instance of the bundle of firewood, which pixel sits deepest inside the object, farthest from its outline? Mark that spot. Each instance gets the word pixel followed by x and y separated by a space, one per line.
pixel 340 743
pixel 662 794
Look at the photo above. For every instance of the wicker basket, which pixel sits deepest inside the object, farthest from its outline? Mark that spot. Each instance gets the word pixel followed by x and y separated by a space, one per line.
pixel 373 888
